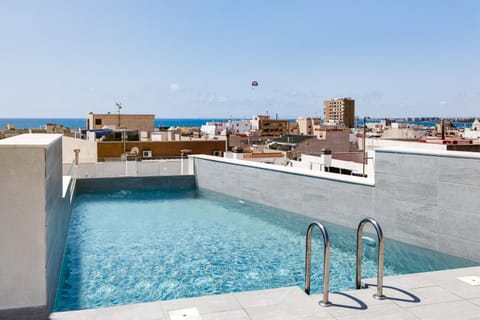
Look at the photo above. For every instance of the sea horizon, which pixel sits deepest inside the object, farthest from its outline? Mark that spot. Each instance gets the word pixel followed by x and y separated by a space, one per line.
pixel 80 123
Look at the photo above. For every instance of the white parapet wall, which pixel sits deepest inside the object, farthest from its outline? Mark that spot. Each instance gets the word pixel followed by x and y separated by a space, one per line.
pixel 428 198
pixel 33 224
pixel 145 168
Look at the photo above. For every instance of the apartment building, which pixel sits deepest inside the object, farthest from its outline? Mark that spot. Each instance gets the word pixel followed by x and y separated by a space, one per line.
pixel 340 110
pixel 140 122
pixel 308 126
pixel 270 127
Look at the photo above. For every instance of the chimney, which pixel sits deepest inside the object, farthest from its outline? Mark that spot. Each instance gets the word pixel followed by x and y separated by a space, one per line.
pixel 326 157
pixel 442 124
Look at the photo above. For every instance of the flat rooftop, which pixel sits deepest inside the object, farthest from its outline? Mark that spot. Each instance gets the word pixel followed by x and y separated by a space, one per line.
pixel 447 294
pixel 30 140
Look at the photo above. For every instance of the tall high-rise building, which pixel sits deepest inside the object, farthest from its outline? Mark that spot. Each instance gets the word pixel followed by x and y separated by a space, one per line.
pixel 340 110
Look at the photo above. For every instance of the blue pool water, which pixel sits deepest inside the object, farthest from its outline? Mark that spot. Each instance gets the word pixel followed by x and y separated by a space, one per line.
pixel 139 246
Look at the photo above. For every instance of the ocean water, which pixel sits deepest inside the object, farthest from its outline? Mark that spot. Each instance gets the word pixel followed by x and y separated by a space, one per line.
pixel 80 123
pixel 147 245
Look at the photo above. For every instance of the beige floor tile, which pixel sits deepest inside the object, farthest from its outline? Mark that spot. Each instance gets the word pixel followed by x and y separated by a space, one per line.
pixel 381 314
pixel 406 282
pixel 280 312
pixel 286 303
pixel 450 310
pixel 360 303
pixel 230 315
pixel 425 296
pixel 475 301
pixel 267 297
pixel 139 311
pixel 460 288
pixel 370 311
pixel 206 304
pixel 442 276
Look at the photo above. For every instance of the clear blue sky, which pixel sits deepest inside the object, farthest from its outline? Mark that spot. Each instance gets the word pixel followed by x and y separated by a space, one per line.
pixel 197 58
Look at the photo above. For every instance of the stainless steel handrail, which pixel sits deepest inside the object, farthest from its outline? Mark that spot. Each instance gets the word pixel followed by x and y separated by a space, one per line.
pixel 379 295
pixel 326 261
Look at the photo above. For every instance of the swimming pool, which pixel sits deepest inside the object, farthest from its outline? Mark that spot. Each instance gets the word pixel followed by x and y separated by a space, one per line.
pixel 146 245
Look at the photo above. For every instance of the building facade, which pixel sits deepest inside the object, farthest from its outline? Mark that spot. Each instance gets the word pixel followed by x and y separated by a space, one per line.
pixel 340 110
pixel 140 122
pixel 308 126
pixel 274 128
pixel 270 127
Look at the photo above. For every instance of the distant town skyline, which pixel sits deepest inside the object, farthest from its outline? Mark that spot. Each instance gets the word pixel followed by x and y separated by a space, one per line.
pixel 197 59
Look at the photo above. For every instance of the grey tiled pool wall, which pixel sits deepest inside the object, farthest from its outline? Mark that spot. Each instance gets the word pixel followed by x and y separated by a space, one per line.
pixel 186 182
pixel 426 199
pixel 58 211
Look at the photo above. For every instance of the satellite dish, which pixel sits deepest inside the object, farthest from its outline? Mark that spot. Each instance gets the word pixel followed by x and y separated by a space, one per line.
pixel 134 151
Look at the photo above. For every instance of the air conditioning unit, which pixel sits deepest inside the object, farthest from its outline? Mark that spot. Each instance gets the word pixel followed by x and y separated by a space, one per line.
pixel 146 154
pixel 218 153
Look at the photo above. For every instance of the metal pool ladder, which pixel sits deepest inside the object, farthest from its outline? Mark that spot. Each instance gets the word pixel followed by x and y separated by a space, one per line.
pixel 379 295
pixel 326 261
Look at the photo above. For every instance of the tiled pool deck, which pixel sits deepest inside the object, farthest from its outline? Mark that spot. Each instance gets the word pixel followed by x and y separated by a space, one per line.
pixel 431 295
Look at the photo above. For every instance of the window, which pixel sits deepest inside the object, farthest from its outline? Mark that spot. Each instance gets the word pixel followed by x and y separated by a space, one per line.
pixel 98 122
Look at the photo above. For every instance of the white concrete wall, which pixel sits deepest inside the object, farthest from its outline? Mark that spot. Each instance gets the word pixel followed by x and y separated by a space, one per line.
pixel 171 167
pixel 403 133
pixel 426 198
pixel 385 143
pixel 88 150
pixel 471 134
pixel 22 242
pixel 316 163
pixel 159 136
pixel 33 222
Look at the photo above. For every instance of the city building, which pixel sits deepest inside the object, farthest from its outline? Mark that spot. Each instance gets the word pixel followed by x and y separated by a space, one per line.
pixel 474 132
pixel 221 128
pixel 293 128
pixel 308 126
pixel 277 158
pixel 256 121
pixel 403 131
pixel 140 122
pixel 270 127
pixel 340 110
pixel 342 144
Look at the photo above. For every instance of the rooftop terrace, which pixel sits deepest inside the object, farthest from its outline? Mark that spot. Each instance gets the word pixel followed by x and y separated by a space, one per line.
pixel 427 198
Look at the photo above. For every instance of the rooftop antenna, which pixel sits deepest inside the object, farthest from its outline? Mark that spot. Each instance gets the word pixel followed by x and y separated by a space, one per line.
pixel 119 106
